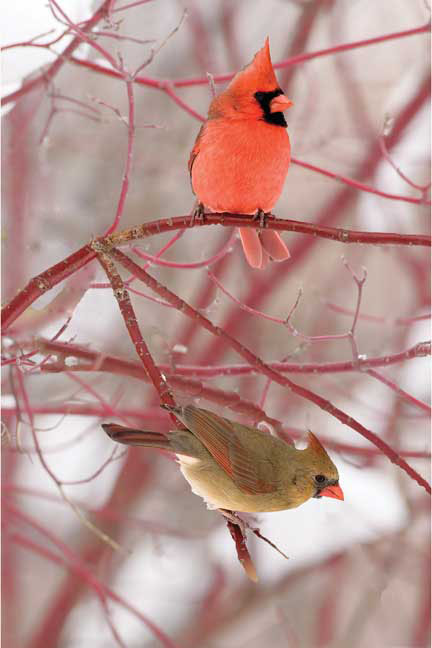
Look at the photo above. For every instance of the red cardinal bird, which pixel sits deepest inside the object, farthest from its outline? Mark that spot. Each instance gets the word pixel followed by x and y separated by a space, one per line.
pixel 242 153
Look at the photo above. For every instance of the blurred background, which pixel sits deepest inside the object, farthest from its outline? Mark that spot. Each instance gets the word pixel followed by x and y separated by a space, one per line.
pixel 358 570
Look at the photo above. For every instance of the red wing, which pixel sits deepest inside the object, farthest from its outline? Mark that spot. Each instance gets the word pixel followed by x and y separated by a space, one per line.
pixel 220 438
pixel 195 150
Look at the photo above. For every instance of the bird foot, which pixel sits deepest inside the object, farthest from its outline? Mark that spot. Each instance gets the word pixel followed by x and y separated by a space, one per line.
pixel 197 214
pixel 261 216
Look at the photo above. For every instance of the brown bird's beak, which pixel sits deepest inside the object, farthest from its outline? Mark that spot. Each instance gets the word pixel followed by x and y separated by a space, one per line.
pixel 333 491
pixel 280 103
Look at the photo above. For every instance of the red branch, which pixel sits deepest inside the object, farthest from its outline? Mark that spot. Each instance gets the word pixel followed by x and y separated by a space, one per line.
pixel 128 314
pixel 400 392
pixel 242 550
pixel 128 164
pixel 102 362
pixel 359 185
pixel 48 75
pixel 272 222
pixel 54 275
pixel 222 78
pixel 43 282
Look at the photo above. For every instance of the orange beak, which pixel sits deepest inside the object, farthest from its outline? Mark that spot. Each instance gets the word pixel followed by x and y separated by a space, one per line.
pixel 333 491
pixel 280 103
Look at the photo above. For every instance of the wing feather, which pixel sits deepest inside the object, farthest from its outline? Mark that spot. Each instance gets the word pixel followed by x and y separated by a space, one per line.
pixel 195 151
pixel 221 439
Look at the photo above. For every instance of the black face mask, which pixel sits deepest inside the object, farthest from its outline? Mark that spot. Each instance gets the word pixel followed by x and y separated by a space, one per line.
pixel 264 100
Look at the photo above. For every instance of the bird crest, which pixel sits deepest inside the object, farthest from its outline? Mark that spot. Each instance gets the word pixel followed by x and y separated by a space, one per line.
pixel 257 75
pixel 315 445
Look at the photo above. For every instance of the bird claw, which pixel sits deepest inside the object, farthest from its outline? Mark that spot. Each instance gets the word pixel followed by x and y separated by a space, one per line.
pixel 197 214
pixel 261 216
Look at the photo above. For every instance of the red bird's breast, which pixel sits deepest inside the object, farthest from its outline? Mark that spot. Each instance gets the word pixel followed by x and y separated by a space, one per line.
pixel 240 166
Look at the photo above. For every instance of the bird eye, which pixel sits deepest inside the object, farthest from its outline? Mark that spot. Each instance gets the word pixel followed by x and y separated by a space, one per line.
pixel 259 96
pixel 320 479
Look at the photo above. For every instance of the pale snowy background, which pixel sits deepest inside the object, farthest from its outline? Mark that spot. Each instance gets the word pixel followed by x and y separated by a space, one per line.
pixel 175 549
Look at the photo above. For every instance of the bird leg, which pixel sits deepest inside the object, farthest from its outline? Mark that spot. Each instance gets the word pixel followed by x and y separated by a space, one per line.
pixel 261 216
pixel 197 214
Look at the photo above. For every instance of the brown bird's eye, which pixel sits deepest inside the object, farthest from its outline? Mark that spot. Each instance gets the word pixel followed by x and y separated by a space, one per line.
pixel 320 479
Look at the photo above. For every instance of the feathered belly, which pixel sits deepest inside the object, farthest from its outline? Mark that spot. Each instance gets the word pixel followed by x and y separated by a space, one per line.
pixel 241 166
pixel 209 481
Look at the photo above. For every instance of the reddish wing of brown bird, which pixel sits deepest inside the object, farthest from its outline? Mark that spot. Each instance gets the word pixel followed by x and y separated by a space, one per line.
pixel 219 436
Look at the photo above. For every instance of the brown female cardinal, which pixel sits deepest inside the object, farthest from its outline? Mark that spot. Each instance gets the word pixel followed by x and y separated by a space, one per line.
pixel 242 153
pixel 240 468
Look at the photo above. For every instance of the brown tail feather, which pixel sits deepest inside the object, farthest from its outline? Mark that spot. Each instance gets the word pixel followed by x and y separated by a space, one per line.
pixel 131 436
